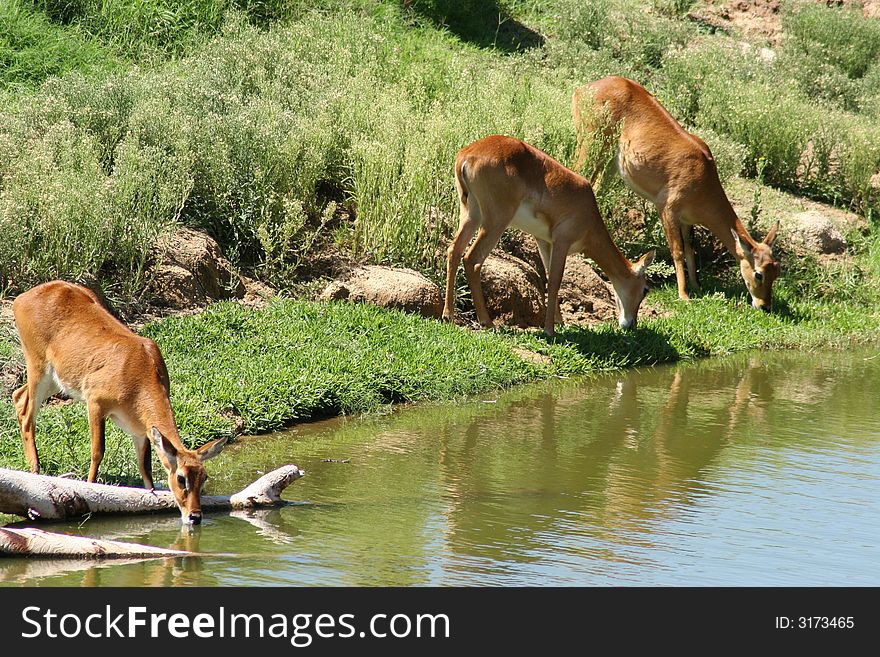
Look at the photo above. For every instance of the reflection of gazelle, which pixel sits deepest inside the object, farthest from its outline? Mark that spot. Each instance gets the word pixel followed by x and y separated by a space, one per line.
pixel 73 345
pixel 675 170
pixel 504 182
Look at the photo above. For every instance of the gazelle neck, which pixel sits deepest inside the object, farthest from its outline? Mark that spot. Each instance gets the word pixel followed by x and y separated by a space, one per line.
pixel 604 252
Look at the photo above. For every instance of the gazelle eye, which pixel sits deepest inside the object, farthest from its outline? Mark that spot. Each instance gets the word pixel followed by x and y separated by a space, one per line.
pixel 181 480
pixel 759 276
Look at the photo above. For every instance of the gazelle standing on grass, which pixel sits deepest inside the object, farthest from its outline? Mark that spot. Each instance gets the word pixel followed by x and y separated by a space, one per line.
pixel 72 344
pixel 501 182
pixel 674 170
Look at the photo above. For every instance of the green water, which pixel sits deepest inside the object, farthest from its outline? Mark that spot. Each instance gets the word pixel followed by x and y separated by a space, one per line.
pixel 762 469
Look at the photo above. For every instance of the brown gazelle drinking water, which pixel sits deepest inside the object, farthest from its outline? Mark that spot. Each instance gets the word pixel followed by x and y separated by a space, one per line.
pixel 72 344
pixel 501 182
pixel 674 170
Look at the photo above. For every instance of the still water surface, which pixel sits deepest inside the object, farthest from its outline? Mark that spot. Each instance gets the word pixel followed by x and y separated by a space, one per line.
pixel 759 469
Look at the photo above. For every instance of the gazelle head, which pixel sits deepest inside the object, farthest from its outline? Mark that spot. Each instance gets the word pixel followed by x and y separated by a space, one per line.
pixel 186 473
pixel 758 267
pixel 629 292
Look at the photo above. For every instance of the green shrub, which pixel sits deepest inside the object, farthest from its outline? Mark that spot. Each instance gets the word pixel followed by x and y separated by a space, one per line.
pixel 841 35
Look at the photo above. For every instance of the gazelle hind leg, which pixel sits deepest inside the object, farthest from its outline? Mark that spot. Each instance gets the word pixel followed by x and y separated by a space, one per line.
pixel 468 224
pixel 96 427
pixel 473 263
pixel 28 399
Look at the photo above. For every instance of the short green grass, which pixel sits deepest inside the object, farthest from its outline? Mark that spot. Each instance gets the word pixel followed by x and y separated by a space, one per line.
pixel 234 368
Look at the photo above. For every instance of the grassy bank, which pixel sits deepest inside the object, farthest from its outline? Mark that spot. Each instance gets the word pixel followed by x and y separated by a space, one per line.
pixel 235 369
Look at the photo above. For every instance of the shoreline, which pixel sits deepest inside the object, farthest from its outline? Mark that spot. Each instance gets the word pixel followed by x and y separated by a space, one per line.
pixel 243 371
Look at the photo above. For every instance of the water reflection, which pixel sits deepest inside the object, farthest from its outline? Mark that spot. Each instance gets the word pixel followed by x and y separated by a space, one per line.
pixel 747 470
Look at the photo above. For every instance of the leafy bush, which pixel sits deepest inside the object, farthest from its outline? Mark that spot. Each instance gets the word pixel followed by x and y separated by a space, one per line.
pixel 839 34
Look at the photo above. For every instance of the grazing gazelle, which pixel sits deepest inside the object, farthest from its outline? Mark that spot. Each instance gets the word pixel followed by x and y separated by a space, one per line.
pixel 501 182
pixel 673 169
pixel 72 344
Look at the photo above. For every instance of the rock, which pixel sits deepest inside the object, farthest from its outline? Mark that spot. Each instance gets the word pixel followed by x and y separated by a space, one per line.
pixel 190 270
pixel 389 287
pixel 523 246
pixel 584 296
pixel 815 232
pixel 513 291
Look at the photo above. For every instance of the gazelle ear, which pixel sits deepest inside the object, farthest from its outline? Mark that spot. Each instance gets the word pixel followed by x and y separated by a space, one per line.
pixel 644 262
pixel 771 236
pixel 167 452
pixel 742 248
pixel 212 449
pixel 648 258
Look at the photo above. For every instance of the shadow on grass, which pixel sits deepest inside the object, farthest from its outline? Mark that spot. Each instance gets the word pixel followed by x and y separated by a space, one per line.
pixel 642 346
pixel 484 23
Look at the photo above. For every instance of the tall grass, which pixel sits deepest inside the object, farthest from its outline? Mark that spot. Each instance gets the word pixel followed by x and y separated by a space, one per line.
pixel 331 109
pixel 32 48
pixel 262 128
pixel 150 28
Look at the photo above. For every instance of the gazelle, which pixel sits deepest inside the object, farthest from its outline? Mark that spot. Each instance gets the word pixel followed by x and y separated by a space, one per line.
pixel 673 169
pixel 501 182
pixel 72 344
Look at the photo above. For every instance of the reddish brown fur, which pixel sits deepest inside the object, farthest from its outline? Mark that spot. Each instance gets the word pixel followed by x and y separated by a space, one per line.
pixel 118 373
pixel 498 176
pixel 675 170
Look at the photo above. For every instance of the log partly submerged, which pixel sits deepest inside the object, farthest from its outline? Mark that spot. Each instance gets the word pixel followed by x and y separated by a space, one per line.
pixel 40 497
pixel 32 542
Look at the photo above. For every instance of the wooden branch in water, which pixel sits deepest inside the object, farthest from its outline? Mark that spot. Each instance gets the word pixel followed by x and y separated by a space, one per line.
pixel 33 542
pixel 40 497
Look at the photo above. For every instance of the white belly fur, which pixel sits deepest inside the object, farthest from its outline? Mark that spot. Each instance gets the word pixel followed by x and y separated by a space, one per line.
pixel 65 388
pixel 527 221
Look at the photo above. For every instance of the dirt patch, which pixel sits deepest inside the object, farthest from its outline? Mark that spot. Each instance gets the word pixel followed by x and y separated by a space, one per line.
pixel 752 18
pixel 532 356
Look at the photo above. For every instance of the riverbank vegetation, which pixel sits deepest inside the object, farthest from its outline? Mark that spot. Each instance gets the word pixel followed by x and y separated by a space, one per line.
pixel 284 128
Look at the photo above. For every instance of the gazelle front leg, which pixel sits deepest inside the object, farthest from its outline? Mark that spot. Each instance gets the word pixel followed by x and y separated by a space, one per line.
pixel 546 250
pixel 97 427
pixel 558 254
pixel 145 460
pixel 676 247
pixel 687 234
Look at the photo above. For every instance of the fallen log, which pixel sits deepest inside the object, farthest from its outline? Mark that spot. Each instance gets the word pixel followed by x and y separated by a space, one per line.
pixel 33 542
pixel 40 497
